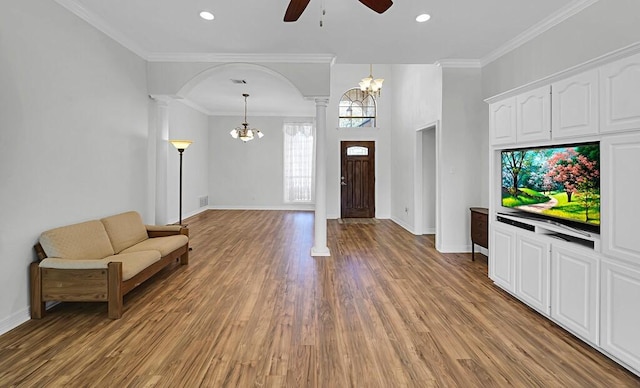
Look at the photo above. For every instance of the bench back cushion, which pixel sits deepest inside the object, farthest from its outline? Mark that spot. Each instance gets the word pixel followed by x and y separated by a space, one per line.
pixel 86 240
pixel 125 230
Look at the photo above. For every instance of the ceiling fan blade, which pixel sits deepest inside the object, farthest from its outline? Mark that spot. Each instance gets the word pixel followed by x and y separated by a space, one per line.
pixel 378 5
pixel 295 9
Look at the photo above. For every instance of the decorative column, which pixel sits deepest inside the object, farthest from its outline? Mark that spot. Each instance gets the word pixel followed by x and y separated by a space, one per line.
pixel 159 143
pixel 320 227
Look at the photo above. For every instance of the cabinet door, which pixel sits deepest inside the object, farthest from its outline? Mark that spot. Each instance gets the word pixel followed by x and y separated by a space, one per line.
pixel 502 122
pixel 533 113
pixel 532 272
pixel 619 160
pixel 575 106
pixel 502 257
pixel 620 95
pixel 620 317
pixel 574 290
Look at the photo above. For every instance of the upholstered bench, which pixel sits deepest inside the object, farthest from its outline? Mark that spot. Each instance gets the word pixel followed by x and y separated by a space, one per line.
pixel 102 260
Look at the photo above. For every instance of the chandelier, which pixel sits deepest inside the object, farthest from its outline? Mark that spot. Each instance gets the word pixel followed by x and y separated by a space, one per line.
pixel 245 133
pixel 370 86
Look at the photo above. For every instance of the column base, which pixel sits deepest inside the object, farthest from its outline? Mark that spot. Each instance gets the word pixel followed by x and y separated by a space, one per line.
pixel 320 252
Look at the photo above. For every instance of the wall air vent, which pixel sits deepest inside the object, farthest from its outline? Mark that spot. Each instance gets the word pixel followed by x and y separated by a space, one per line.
pixel 238 81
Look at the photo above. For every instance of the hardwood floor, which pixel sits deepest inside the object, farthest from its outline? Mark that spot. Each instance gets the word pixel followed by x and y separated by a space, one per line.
pixel 252 308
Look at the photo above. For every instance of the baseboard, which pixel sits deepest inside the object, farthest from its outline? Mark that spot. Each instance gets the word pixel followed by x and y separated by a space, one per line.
pixel 455 249
pixel 403 224
pixel 14 320
pixel 297 207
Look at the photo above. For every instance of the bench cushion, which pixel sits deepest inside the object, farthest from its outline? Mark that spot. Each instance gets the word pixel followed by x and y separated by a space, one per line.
pixel 83 241
pixel 125 230
pixel 164 245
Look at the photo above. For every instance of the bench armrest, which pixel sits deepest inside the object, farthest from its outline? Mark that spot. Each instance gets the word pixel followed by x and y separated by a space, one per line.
pixel 166 230
pixel 58 263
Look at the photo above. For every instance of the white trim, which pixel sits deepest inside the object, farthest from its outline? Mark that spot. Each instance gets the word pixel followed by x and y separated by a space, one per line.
pixel 455 249
pixel 297 207
pixel 100 24
pixel 14 320
pixel 537 29
pixel 242 58
pixel 323 252
pixel 403 225
pixel 588 65
pixel 459 63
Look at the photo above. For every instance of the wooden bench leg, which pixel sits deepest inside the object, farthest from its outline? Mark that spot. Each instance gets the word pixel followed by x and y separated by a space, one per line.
pixel 114 289
pixel 37 304
pixel 184 259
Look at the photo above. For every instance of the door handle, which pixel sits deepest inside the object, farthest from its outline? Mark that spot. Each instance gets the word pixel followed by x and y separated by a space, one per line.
pixel 342 182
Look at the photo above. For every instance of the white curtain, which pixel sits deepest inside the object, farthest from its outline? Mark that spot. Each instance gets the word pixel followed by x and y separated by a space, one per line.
pixel 298 162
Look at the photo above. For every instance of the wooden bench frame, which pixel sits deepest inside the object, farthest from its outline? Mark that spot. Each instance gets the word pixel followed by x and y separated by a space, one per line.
pixel 94 285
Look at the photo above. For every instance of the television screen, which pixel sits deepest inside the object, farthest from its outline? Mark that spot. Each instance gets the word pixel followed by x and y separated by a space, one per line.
pixel 558 181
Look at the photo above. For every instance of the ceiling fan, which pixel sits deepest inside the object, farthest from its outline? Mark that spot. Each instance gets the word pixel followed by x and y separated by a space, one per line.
pixel 297 7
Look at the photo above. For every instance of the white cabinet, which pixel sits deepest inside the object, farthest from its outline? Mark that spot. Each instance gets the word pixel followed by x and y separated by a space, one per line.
pixel 620 184
pixel 574 290
pixel 532 271
pixel 575 106
pixel 620 95
pixel 502 121
pixel 620 315
pixel 533 115
pixel 502 257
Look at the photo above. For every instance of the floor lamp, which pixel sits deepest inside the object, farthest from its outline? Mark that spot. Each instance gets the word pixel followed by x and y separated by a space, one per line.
pixel 181 145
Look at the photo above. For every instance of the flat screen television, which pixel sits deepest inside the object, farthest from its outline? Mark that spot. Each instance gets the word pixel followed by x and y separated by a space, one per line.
pixel 559 182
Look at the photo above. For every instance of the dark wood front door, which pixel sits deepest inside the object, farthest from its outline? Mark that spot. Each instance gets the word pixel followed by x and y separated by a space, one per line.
pixel 357 181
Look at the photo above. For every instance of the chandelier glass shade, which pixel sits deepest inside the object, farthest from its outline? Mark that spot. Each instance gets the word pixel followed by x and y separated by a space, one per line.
pixel 243 132
pixel 370 86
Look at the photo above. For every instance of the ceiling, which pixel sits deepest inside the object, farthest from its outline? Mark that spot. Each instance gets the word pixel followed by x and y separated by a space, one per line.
pixel 351 33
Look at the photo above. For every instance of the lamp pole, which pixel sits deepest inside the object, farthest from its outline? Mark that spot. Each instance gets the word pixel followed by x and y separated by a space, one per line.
pixel 180 145
pixel 180 150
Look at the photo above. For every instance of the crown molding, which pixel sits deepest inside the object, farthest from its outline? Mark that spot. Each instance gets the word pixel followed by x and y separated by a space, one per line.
pixel 546 24
pixel 100 24
pixel 566 73
pixel 231 57
pixel 459 63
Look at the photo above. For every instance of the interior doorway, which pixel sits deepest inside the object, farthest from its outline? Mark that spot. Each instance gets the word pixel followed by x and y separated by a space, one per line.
pixel 428 217
pixel 357 180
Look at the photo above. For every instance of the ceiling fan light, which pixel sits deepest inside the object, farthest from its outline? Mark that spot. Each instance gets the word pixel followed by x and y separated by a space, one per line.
pixel 260 134
pixel 234 133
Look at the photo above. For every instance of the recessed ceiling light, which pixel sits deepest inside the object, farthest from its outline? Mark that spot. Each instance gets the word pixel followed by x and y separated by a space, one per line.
pixel 206 15
pixel 423 18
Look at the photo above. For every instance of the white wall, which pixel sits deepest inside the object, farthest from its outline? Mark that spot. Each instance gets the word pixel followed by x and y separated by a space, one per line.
pixel 247 175
pixel 73 134
pixel 343 78
pixel 416 104
pixel 187 123
pixel 605 26
pixel 463 163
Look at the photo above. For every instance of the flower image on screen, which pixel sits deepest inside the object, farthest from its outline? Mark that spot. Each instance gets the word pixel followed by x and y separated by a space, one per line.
pixel 559 181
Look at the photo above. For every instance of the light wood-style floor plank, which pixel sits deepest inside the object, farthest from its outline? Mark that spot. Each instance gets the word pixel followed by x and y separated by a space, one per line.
pixel 254 309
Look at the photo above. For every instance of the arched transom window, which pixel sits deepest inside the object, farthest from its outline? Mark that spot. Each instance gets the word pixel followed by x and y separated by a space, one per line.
pixel 356 110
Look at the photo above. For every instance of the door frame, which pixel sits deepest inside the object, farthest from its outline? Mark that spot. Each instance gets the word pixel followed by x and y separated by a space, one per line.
pixel 372 154
pixel 418 180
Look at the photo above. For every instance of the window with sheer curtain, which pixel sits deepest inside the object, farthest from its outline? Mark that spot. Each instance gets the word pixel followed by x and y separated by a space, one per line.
pixel 298 162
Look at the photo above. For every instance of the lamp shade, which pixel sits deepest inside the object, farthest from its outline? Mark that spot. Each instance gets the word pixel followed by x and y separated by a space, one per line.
pixel 181 144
